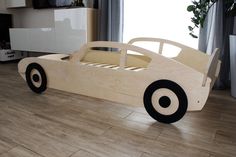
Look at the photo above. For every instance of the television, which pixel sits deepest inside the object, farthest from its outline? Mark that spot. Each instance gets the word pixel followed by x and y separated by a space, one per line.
pixel 40 4
pixel 5 24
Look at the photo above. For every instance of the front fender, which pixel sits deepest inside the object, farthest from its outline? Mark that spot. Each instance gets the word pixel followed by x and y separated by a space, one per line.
pixel 22 65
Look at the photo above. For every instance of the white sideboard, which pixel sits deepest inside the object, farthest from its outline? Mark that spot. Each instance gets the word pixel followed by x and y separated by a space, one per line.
pixel 17 3
pixel 73 28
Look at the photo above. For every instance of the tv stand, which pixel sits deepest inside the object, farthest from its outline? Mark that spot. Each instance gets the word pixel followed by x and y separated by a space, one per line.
pixel 73 28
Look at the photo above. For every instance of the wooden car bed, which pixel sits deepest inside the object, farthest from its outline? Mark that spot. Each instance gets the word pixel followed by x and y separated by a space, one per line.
pixel 166 86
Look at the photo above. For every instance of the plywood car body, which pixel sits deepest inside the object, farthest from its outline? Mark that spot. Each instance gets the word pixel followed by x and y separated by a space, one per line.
pixel 131 75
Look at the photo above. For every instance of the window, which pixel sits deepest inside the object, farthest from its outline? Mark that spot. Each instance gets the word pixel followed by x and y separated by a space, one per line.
pixel 166 19
pixel 103 59
pixel 136 61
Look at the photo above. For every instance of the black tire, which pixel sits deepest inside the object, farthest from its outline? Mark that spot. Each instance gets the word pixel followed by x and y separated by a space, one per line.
pixel 165 102
pixel 36 78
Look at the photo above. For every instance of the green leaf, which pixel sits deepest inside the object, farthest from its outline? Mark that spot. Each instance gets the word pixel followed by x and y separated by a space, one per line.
pixel 200 9
pixel 202 20
pixel 190 8
pixel 190 28
pixel 195 20
pixel 195 2
pixel 194 36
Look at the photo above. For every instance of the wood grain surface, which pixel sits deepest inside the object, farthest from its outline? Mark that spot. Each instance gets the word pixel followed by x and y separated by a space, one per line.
pixel 61 124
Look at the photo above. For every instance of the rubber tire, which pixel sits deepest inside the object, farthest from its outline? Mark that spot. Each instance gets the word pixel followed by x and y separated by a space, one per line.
pixel 179 92
pixel 43 85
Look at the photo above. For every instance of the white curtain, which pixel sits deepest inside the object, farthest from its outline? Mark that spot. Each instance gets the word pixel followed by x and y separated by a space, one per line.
pixel 215 34
pixel 212 32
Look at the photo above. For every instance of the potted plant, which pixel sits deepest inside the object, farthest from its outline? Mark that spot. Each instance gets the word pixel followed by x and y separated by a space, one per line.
pixel 200 10
pixel 77 3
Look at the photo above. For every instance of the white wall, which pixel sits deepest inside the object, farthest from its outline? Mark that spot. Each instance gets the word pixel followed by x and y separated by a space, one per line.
pixel 33 18
pixel 3 7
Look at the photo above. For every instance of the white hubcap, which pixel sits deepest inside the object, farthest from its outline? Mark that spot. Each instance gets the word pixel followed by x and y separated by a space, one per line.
pixel 36 72
pixel 174 102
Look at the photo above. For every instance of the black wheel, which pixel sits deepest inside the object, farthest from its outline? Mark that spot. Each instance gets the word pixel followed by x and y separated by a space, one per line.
pixel 165 101
pixel 36 78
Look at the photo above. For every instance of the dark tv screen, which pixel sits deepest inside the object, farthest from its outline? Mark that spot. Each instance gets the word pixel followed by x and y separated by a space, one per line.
pixel 5 24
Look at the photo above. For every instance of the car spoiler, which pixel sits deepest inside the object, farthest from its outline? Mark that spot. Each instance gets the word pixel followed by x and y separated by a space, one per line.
pixel 213 68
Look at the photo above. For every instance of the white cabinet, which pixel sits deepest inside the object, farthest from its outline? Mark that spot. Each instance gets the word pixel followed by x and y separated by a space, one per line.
pixel 17 3
pixel 73 28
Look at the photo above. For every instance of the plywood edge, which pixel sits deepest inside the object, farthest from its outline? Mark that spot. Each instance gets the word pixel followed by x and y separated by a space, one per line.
pixel 213 67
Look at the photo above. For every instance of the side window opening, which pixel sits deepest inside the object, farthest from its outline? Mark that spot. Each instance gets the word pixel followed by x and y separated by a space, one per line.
pixel 170 51
pixel 136 61
pixel 149 45
pixel 102 57
pixel 111 59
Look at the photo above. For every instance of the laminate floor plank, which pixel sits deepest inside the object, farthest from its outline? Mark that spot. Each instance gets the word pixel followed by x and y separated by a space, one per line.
pixel 5 146
pixel 61 124
pixel 20 152
pixel 83 153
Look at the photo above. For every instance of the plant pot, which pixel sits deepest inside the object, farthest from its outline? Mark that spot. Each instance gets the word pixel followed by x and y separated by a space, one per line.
pixel 232 39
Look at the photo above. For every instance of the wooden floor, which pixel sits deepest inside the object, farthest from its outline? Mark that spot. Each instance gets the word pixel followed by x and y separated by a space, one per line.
pixel 59 124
